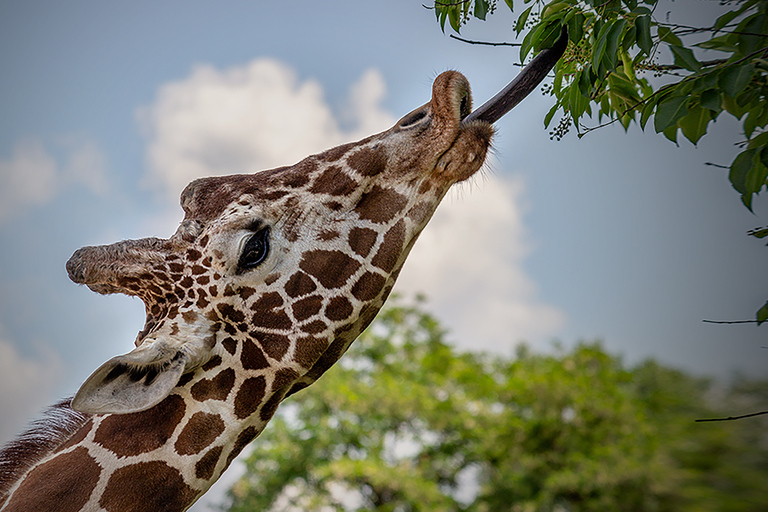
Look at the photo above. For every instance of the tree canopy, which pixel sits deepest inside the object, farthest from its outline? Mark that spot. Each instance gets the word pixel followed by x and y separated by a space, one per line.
pixel 406 423
pixel 627 63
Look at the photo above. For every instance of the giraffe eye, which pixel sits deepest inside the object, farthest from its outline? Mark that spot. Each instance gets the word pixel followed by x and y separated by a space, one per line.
pixel 255 251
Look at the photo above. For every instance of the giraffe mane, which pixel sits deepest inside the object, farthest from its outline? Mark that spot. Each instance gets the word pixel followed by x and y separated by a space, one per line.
pixel 45 434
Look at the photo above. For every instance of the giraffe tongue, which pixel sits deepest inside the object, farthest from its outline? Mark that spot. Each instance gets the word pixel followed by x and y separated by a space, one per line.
pixel 525 82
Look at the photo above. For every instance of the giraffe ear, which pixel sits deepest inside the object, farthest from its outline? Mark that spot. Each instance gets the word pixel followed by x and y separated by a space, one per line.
pixel 132 382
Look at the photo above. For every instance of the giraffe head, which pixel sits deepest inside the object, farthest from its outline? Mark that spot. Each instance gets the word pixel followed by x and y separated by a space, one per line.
pixel 277 272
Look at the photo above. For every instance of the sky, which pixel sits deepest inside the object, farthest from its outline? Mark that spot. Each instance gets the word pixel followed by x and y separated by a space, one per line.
pixel 107 109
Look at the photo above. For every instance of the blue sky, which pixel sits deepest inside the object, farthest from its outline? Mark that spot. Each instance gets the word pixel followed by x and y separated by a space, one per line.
pixel 107 109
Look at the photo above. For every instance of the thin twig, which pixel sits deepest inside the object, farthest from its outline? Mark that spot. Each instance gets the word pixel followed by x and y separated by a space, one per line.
pixel 717 165
pixel 486 43
pixel 730 321
pixel 671 67
pixel 731 418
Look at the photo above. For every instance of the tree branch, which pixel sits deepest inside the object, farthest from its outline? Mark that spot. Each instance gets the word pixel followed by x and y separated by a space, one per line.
pixel 731 418
pixel 730 321
pixel 673 67
pixel 486 43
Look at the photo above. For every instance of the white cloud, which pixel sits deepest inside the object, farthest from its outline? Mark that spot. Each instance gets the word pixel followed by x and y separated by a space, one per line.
pixel 26 387
pixel 249 118
pixel 468 261
pixel 33 177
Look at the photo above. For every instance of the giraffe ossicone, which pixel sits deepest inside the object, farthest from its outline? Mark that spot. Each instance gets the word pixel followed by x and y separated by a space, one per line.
pixel 267 281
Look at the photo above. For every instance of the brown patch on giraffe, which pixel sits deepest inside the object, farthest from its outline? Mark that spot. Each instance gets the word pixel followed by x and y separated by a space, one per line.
pixel 203 280
pixel 283 380
pixel 249 396
pixel 187 282
pixel 193 255
pixel 245 437
pixel 361 240
pixel 307 307
pixel 216 388
pixel 274 345
pixel 246 291
pixel 391 247
pixel 205 467
pixel 297 180
pixel 314 327
pixel 368 286
pixel 130 490
pixel 189 316
pixel 201 431
pixel 140 432
pixel 328 235
pixel 333 181
pixel 309 349
pixel 230 345
pixel 212 363
pixel 252 358
pixel 380 204
pixel 271 320
pixel 338 308
pixel 332 268
pixel 185 379
pixel 230 313
pixel 299 284
pixel 55 486
pixel 368 161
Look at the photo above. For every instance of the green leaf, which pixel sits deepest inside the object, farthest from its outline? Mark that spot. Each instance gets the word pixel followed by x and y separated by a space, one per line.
pixel 739 169
pixel 671 133
pixel 669 111
pixel 576 28
pixel 725 19
pixel 481 9
pixel 758 142
pixel 510 4
pixel 694 125
pixel 757 174
pixel 648 109
pixel 547 35
pixel 712 99
pixel 684 58
pixel 751 34
pixel 612 42
pixel 750 122
pixel 758 232
pixel 666 35
pixel 762 314
pixel 520 24
pixel 724 43
pixel 550 115
pixel 598 50
pixel 732 107
pixel 734 79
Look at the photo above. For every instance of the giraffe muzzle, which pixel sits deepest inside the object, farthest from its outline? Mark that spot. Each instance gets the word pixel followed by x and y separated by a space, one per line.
pixel 522 85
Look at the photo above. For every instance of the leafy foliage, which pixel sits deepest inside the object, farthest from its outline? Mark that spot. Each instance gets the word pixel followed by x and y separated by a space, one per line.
pixel 611 71
pixel 406 423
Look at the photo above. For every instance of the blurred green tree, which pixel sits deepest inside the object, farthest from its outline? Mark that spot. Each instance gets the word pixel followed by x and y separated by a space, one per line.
pixel 406 423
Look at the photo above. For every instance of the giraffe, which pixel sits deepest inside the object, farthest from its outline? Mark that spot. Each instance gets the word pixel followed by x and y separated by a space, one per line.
pixel 267 281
